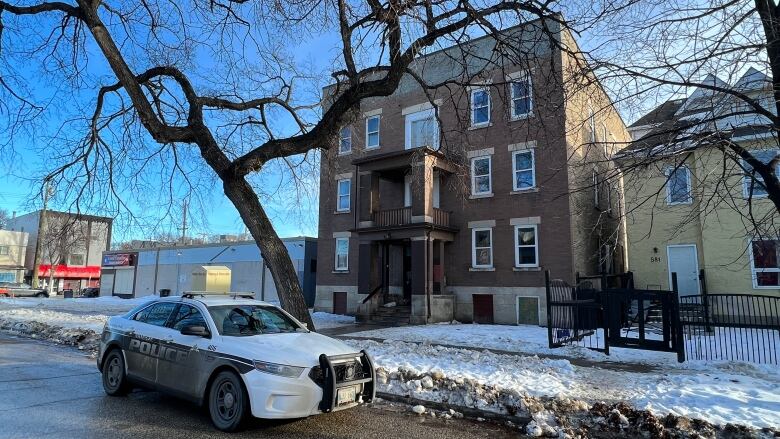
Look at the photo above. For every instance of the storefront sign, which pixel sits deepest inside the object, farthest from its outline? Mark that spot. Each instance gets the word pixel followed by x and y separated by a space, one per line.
pixel 117 259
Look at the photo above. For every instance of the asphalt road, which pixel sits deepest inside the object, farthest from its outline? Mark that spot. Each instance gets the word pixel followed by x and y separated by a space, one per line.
pixel 53 391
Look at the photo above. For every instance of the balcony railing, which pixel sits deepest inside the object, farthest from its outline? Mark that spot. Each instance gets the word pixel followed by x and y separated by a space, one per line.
pixel 403 216
pixel 393 217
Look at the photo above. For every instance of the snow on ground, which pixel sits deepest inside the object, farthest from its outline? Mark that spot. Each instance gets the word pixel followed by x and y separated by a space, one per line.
pixel 525 339
pixel 91 313
pixel 324 320
pixel 723 394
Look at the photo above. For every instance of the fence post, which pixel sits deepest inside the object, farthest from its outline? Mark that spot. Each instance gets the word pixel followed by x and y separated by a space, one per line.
pixel 676 326
pixel 549 308
pixel 705 300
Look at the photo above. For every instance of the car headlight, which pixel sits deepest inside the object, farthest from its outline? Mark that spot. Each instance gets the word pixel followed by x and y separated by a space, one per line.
pixel 279 369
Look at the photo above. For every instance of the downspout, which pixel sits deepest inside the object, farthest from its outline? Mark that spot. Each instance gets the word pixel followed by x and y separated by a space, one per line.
pixel 156 269
pixel 428 276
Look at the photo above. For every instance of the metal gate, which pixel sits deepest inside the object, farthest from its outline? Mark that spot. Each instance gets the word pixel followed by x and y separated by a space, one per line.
pixel 612 317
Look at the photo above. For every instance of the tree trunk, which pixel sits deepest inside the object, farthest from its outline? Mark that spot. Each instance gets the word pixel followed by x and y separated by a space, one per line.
pixel 271 247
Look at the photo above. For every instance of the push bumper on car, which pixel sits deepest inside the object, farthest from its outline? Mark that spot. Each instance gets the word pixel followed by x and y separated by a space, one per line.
pixel 276 397
pixel 339 384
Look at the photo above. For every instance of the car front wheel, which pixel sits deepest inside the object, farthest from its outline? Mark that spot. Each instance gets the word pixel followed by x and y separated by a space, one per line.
pixel 228 402
pixel 114 377
pixel 39 295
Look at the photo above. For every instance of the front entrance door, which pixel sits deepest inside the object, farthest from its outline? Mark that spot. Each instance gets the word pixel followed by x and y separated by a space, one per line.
pixel 683 260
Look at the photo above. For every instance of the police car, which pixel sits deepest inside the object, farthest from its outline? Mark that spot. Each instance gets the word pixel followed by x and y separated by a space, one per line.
pixel 236 355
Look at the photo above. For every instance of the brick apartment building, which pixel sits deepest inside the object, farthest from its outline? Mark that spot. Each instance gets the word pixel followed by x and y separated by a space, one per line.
pixel 459 219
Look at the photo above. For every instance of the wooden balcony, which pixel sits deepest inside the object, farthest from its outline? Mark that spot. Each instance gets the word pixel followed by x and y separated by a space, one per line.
pixel 403 216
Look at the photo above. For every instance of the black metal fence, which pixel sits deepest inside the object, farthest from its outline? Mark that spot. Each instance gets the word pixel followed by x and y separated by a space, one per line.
pixel 574 316
pixel 733 327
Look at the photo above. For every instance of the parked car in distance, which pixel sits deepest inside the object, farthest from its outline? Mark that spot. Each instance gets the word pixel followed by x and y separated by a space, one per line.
pixel 16 289
pixel 89 292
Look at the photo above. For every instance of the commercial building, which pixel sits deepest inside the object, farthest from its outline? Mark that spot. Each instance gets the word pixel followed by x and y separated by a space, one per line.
pixel 146 271
pixel 70 250
pixel 693 207
pixel 13 250
pixel 451 202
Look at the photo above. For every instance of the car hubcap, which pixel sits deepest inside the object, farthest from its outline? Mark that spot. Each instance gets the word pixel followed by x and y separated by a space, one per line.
pixel 226 401
pixel 114 372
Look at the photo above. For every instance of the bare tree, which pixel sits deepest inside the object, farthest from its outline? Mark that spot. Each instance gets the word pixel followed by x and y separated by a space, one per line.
pixel 164 103
pixel 4 217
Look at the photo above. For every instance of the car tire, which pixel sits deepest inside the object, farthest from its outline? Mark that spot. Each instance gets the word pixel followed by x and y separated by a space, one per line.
pixel 41 295
pixel 115 381
pixel 228 402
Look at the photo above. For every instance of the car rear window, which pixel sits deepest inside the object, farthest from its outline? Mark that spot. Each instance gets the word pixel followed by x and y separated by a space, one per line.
pixel 248 320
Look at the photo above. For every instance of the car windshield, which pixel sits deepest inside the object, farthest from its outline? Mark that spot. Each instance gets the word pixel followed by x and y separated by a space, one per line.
pixel 247 320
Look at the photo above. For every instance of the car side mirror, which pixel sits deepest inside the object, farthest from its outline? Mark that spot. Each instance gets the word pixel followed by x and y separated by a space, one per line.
pixel 196 330
pixel 305 325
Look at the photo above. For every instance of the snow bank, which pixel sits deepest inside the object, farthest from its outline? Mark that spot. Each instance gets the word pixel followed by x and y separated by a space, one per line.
pixel 324 320
pixel 514 384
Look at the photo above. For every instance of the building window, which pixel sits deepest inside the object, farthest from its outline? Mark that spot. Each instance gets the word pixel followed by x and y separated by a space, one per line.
pixel 524 172
pixel 752 183
pixel 345 140
pixel 342 254
pixel 407 190
pixel 521 95
pixel 526 246
pixel 344 189
pixel 482 248
pixel 481 180
pixel 76 259
pixel 372 132
pixel 764 263
pixel 4 250
pixel 422 130
pixel 480 107
pixel 678 185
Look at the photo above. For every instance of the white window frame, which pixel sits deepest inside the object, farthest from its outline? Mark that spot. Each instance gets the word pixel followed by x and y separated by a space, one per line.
pixel 515 170
pixel 378 130
pixel 5 250
pixel 472 91
pixel 336 266
pixel 474 246
pixel 747 180
pixel 521 77
pixel 489 175
pixel 343 139
pixel 668 173
pixel 536 245
pixel 339 196
pixel 416 116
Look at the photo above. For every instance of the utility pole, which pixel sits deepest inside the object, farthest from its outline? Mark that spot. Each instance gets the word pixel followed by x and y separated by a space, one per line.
pixel 184 223
pixel 42 224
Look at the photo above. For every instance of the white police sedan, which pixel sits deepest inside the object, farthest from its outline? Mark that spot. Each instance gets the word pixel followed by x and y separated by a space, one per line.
pixel 237 355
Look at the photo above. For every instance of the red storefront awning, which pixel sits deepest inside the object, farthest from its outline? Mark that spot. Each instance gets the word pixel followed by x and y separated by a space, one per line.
pixel 69 271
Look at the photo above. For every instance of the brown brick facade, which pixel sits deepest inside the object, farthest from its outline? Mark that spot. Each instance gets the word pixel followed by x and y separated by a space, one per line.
pixel 444 267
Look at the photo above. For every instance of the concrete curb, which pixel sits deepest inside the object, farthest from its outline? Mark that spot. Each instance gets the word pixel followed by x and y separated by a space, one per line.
pixel 467 411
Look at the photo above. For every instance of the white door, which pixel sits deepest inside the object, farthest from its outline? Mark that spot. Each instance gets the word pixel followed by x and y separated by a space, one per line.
pixel 684 262
pixel 123 281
